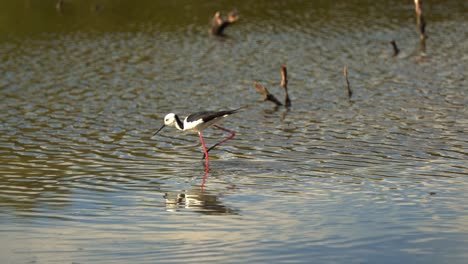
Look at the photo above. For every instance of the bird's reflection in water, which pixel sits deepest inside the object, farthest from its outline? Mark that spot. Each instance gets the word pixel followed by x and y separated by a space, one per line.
pixel 197 199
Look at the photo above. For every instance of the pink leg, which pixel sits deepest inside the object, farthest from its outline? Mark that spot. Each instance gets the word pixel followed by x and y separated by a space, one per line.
pixel 205 176
pixel 222 141
pixel 207 163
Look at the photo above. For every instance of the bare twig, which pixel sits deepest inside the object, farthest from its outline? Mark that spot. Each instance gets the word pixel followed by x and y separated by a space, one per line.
pixel 396 50
pixel 284 84
pixel 420 19
pixel 267 96
pixel 345 73
pixel 218 23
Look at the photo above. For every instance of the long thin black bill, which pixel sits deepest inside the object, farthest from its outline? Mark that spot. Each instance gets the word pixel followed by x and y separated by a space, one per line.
pixel 158 130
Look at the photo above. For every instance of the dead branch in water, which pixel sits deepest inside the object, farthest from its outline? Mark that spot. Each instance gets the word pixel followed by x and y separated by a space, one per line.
pixel 420 19
pixel 396 50
pixel 421 27
pixel 348 87
pixel 267 96
pixel 218 23
pixel 284 84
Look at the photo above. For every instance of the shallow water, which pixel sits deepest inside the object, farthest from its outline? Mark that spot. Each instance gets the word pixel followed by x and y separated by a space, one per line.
pixel 378 178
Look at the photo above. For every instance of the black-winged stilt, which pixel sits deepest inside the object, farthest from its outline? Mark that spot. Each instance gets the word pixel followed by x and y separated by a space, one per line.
pixel 197 122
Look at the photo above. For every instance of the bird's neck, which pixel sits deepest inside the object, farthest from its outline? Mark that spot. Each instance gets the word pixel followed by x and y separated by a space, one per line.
pixel 179 124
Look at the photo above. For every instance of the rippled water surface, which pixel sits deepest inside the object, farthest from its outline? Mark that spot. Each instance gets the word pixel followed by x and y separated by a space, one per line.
pixel 378 178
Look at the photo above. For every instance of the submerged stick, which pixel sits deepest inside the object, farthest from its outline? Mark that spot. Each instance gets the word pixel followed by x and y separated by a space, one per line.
pixel 422 47
pixel 284 84
pixel 348 87
pixel 218 23
pixel 267 96
pixel 420 19
pixel 396 50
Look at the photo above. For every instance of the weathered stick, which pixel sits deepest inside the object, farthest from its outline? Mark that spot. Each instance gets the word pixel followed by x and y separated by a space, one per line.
pixel 420 19
pixel 345 73
pixel 396 50
pixel 218 23
pixel 267 96
pixel 284 84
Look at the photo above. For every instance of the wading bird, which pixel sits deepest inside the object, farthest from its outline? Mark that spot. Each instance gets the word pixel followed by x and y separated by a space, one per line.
pixel 198 122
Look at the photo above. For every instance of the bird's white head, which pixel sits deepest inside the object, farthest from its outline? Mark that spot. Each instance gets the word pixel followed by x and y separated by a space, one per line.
pixel 170 119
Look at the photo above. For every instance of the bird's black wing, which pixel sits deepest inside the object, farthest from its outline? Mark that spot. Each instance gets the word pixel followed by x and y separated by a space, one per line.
pixel 206 116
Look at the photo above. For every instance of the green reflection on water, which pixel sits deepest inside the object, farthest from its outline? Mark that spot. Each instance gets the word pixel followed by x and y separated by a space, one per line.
pixel 26 17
